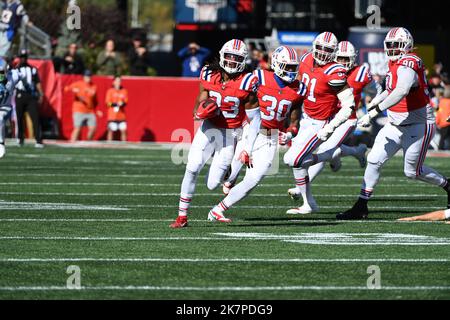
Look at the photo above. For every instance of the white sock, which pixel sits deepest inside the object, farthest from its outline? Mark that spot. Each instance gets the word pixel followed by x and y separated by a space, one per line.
pixel 371 178
pixel 187 192
pixel 315 170
pixel 431 176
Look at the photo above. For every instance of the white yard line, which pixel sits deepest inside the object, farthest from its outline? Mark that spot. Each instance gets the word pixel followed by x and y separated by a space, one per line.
pixel 263 185
pixel 233 288
pixel 318 241
pixel 174 194
pixel 221 260
pixel 77 220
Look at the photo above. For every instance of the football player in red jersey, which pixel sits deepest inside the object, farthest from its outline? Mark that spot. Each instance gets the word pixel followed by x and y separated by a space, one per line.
pixel 278 95
pixel 358 77
pixel 406 99
pixel 234 93
pixel 325 88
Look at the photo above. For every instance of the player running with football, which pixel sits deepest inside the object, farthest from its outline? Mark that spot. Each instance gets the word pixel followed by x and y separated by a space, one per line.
pixel 227 95
pixel 325 89
pixel 278 95
pixel 358 77
pixel 406 100
pixel 8 81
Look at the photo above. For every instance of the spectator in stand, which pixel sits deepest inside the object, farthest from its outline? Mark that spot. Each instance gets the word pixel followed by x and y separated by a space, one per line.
pixel 442 117
pixel 193 57
pixel 29 96
pixel 84 106
pixel 12 16
pixel 139 58
pixel 116 100
pixel 108 60
pixel 73 62
pixel 259 60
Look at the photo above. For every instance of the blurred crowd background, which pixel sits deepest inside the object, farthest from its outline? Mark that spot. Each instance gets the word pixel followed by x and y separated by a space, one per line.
pixel 176 38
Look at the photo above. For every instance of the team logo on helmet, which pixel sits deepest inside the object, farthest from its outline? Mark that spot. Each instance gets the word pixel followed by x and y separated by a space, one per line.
pixel 285 63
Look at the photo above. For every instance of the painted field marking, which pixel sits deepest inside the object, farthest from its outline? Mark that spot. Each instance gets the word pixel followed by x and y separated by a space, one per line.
pixel 221 260
pixel 233 288
pixel 27 206
pixel 338 239
pixel 156 194
pixel 345 239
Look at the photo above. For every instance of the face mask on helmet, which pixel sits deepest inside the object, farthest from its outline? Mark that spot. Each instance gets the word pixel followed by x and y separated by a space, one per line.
pixel 287 72
pixel 394 49
pixel 323 54
pixel 232 63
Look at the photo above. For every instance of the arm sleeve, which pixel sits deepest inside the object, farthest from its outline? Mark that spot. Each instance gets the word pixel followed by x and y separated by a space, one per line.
pixel 407 78
pixel 183 52
pixel 347 100
pixel 379 98
pixel 254 115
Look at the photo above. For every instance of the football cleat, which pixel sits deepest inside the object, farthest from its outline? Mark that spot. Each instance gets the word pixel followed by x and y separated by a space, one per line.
pixel 361 155
pixel 294 194
pixel 219 217
pixel 181 222
pixel 2 150
pixel 358 212
pixel 227 186
pixel 305 209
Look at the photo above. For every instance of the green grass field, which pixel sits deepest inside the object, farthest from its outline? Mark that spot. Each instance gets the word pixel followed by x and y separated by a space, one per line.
pixel 107 211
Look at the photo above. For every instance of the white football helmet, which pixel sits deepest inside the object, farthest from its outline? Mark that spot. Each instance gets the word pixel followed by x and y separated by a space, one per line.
pixel 397 43
pixel 324 48
pixel 233 56
pixel 285 63
pixel 346 54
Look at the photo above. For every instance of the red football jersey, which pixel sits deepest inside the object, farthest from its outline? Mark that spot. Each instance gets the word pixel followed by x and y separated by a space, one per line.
pixel 275 102
pixel 418 97
pixel 321 101
pixel 358 78
pixel 230 96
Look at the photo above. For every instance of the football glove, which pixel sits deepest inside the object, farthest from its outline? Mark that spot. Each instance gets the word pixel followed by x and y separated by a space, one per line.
pixel 246 159
pixel 284 138
pixel 207 109
pixel 325 132
pixel 365 121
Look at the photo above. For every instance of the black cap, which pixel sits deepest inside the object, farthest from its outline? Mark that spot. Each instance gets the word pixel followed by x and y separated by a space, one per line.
pixel 23 53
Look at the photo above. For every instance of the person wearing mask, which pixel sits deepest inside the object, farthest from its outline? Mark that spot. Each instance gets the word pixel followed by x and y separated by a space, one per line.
pixel 29 96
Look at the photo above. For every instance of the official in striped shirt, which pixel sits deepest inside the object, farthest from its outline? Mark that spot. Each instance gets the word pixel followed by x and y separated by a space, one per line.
pixel 29 97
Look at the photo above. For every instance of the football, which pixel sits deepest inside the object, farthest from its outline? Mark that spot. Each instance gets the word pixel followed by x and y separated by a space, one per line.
pixel 207 109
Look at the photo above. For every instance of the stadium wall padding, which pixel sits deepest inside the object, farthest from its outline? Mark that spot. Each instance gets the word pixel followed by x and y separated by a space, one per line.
pixel 157 106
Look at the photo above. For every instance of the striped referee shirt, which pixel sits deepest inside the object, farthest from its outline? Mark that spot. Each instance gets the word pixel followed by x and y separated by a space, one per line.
pixel 30 78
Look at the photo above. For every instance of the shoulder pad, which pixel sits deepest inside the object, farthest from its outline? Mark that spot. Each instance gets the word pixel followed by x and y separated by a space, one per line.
pixel 334 68
pixel 205 74
pixel 411 61
pixel 261 76
pixel 249 82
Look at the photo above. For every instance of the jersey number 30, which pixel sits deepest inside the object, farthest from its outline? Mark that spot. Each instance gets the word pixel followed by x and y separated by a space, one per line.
pixel 276 110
